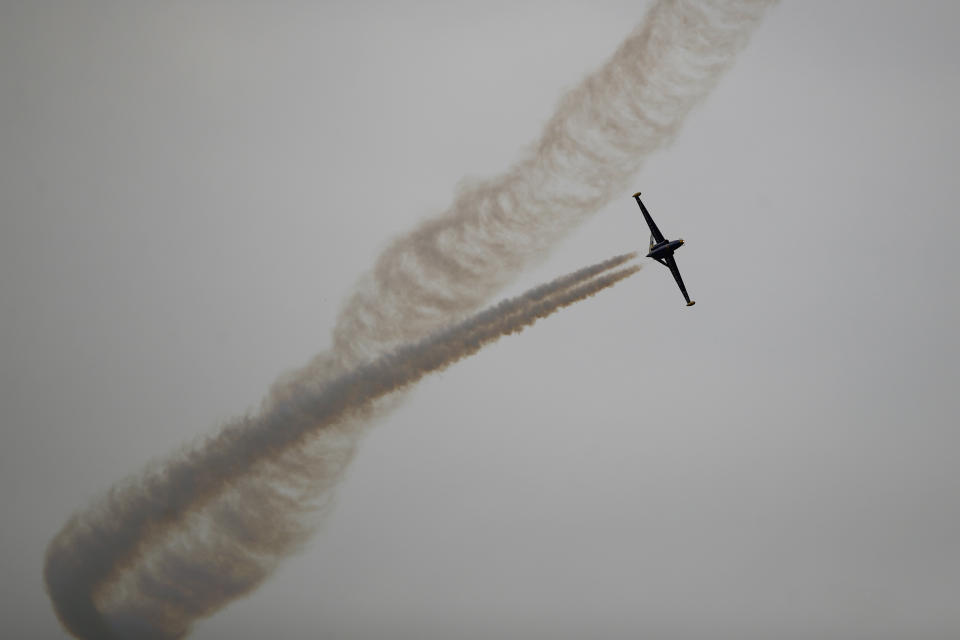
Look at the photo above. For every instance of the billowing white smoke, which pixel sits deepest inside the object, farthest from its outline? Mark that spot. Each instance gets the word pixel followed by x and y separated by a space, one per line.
pixel 589 153
pixel 114 561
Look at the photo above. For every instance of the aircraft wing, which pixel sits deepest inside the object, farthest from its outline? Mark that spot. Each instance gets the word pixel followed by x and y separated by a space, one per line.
pixel 655 235
pixel 671 262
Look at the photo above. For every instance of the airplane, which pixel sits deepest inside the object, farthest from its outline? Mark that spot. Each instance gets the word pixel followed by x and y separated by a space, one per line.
pixel 662 249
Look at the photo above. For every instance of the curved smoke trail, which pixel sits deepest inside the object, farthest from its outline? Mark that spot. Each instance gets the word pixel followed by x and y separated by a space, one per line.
pixel 590 150
pixel 602 131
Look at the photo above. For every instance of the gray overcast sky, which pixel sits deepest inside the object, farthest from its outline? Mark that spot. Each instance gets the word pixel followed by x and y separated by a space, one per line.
pixel 187 192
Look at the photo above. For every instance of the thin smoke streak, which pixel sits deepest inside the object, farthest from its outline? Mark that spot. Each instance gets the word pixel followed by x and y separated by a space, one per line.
pixel 445 269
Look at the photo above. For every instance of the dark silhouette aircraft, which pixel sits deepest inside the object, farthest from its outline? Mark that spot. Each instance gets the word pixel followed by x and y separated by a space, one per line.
pixel 662 249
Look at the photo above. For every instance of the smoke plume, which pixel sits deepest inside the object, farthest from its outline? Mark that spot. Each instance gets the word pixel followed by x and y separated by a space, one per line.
pixel 590 151
pixel 176 544
pixel 159 551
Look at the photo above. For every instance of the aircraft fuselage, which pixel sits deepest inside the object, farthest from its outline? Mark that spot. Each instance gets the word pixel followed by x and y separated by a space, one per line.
pixel 663 249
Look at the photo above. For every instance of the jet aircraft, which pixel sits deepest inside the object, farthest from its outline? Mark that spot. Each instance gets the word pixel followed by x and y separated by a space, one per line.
pixel 662 249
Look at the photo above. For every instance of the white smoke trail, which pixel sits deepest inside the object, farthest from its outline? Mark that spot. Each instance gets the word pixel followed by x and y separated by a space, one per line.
pixel 179 542
pixel 589 153
pixel 591 148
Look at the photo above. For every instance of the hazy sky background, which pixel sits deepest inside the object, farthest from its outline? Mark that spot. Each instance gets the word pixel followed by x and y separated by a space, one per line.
pixel 188 191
